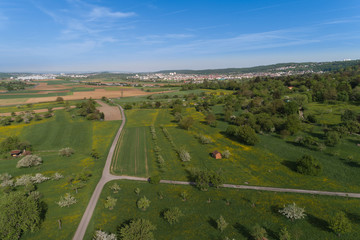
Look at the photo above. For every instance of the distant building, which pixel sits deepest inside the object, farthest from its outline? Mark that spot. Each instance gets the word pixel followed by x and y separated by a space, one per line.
pixel 15 153
pixel 216 155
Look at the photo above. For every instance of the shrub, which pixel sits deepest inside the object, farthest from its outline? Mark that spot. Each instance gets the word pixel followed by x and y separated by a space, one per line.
pixel 57 176
pixel 66 201
pixel 128 106
pixel 293 212
pixel 184 155
pixel 66 152
pixel 137 229
pixel 332 138
pixel 221 223
pixel 204 139
pixel 186 123
pixel 29 161
pixel 258 233
pixel 39 178
pixel 100 235
pixel 110 202
pixel 172 215
pixel 115 187
pixel 155 179
pixel 143 203
pixel 308 165
pixel 340 223
pixel 226 154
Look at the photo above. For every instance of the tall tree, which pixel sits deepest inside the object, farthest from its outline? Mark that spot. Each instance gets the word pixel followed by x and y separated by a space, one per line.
pixel 19 214
pixel 140 229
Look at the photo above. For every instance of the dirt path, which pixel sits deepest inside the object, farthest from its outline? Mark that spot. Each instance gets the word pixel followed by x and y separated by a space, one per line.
pixel 111 112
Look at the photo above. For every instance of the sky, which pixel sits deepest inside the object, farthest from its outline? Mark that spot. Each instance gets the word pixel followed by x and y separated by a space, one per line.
pixel 152 35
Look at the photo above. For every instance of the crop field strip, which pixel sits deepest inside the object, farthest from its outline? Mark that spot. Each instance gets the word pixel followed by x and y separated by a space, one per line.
pixel 131 154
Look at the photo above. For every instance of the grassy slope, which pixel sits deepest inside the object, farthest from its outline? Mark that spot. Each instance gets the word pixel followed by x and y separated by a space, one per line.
pixel 200 216
pixel 47 137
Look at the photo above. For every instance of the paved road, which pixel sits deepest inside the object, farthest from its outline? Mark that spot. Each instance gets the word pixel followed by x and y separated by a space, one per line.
pixel 107 176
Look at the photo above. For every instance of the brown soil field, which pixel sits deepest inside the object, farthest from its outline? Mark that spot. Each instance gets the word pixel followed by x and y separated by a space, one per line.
pixel 111 113
pixel 97 94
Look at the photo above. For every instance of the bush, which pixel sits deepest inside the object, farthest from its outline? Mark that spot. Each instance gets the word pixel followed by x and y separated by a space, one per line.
pixel 293 212
pixel 66 201
pixel 66 152
pixel 143 203
pixel 29 161
pixel 128 106
pixel 226 154
pixel 100 235
pixel 308 165
pixel 186 123
pixel 244 134
pixel 172 215
pixel 137 229
pixel 184 155
pixel 332 138
pixel 155 179
pixel 204 139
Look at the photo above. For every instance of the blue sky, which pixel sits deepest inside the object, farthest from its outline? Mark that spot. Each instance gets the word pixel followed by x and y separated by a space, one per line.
pixel 139 35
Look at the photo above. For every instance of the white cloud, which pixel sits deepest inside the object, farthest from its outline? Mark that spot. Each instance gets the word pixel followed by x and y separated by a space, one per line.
pixel 102 12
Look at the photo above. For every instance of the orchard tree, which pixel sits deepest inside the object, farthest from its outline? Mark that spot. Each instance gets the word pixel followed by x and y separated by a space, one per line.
pixel 110 202
pixel 340 224
pixel 115 187
pixel 101 235
pixel 66 201
pixel 186 123
pixel 221 223
pixel 140 229
pixel 172 215
pixel 293 212
pixel 258 233
pixel 143 203
pixel 308 165
pixel 29 161
pixel 284 234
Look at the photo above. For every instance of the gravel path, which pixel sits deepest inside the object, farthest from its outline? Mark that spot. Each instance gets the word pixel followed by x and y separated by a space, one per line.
pixel 107 176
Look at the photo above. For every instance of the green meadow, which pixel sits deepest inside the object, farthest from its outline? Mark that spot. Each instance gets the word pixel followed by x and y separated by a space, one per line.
pixel 47 137
pixel 270 163
pixel 241 209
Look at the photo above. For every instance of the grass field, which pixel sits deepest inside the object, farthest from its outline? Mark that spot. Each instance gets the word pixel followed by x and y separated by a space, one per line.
pixel 48 136
pixel 199 220
pixel 131 155
pixel 269 163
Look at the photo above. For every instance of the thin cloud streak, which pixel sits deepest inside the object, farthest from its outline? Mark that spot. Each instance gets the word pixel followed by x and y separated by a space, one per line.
pixel 244 42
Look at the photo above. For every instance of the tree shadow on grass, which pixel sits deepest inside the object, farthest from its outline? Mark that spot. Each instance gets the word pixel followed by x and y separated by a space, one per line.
pixel 43 209
pixel 318 222
pixel 275 209
pixel 271 233
pixel 212 222
pixel 352 164
pixel 289 164
pixel 242 230
pixel 353 217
